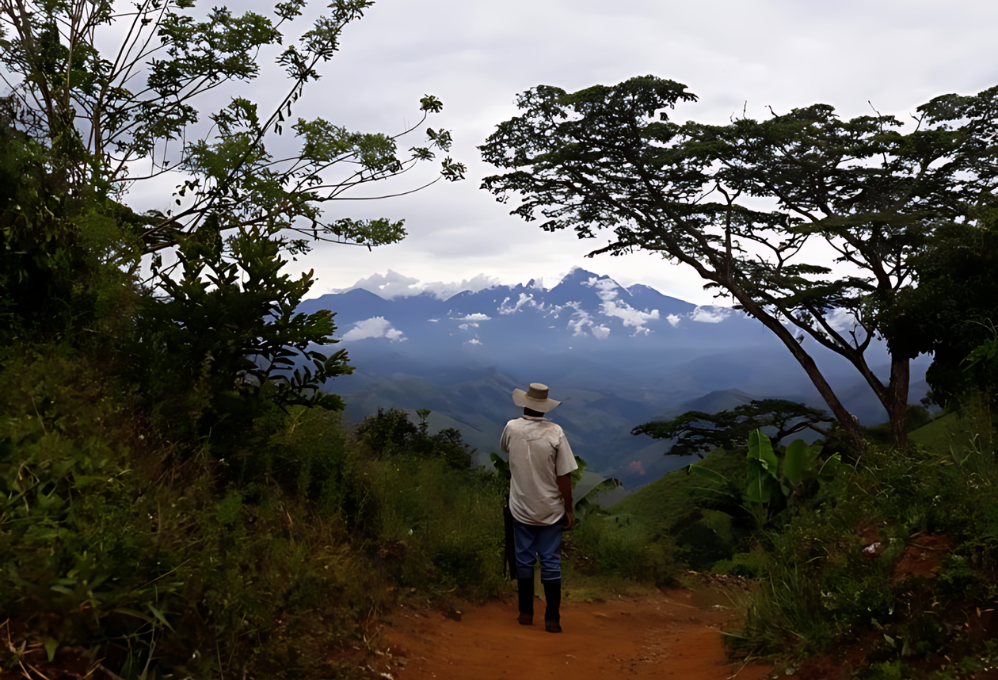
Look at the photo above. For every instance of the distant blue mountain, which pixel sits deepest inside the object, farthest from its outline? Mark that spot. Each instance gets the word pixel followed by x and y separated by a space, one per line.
pixel 618 356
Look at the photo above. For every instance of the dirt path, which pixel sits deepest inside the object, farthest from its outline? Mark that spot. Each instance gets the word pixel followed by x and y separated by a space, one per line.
pixel 659 636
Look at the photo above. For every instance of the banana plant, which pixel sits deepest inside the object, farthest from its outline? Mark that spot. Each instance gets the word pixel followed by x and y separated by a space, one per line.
pixel 773 482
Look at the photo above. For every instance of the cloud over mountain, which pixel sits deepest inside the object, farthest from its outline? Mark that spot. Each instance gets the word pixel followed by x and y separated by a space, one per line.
pixel 375 327
pixel 392 285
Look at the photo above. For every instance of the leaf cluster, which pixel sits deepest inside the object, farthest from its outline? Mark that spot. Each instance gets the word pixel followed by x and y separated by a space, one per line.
pixel 226 341
pixel 390 433
pixel 776 483
pixel 111 117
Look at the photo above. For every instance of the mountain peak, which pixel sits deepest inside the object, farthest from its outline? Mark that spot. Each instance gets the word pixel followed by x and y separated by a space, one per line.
pixel 577 275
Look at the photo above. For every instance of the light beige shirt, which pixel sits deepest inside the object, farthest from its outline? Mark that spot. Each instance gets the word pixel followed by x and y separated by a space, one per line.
pixel 538 453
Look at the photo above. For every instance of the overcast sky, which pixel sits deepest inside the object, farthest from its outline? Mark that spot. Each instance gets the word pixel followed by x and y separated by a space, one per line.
pixel 476 57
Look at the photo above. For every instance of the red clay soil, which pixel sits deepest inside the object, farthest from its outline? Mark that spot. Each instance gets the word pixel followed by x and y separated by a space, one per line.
pixel 660 636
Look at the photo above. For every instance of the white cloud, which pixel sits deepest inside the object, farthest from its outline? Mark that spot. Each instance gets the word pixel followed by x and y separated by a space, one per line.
pixel 375 327
pixel 445 290
pixel 388 285
pixel 466 326
pixel 710 314
pixel 842 320
pixel 607 289
pixel 630 316
pixel 673 319
pixel 580 321
pixel 474 341
pixel 524 301
pixel 392 285
pixel 476 317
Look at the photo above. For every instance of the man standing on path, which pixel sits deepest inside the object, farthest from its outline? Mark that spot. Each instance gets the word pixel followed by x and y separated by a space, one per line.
pixel 540 499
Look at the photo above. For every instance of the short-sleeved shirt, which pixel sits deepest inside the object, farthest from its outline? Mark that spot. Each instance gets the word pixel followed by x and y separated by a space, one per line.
pixel 538 453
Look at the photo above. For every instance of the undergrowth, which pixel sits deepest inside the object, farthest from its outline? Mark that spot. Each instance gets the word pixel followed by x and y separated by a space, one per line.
pixel 834 575
pixel 128 551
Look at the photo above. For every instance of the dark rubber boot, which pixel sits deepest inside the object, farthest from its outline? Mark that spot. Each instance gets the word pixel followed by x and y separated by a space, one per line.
pixel 525 591
pixel 552 615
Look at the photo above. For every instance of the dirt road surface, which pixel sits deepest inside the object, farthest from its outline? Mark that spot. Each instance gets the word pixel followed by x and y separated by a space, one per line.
pixel 662 636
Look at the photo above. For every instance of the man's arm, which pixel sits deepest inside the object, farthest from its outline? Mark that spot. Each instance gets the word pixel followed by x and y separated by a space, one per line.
pixel 565 487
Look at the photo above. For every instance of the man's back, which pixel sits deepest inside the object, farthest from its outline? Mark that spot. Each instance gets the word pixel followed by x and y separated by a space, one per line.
pixel 538 454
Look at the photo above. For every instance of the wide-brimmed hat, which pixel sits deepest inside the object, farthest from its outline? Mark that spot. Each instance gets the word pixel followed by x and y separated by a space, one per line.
pixel 535 398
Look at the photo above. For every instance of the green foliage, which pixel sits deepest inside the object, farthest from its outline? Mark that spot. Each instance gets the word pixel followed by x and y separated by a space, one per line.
pixel 750 564
pixel 226 341
pixel 828 579
pixel 950 313
pixel 609 160
pixel 106 101
pixel 701 515
pixel 698 432
pixel 391 434
pixel 430 525
pixel 616 546
pixel 66 261
pixel 197 569
pixel 773 483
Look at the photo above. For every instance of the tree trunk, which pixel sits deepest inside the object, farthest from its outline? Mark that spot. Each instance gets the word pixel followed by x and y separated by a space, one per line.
pixel 847 421
pixel 897 402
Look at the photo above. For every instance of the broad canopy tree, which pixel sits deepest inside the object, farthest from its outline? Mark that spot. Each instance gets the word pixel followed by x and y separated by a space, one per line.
pixel 697 432
pixel 743 204
pixel 113 117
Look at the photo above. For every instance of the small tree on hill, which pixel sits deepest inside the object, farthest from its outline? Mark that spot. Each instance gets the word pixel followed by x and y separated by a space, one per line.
pixel 743 204
pixel 698 432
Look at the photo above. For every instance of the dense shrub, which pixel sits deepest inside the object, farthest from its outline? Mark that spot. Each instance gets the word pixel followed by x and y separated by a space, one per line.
pixel 390 433
pixel 829 575
pixel 113 542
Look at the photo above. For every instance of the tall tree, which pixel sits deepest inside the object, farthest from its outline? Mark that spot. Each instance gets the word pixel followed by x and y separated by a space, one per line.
pixel 118 92
pixel 761 210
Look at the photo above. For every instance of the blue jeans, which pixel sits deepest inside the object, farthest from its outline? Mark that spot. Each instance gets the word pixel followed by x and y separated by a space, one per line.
pixel 541 541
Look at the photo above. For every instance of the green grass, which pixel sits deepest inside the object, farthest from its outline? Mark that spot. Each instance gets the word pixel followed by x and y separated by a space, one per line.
pixel 667 502
pixel 943 433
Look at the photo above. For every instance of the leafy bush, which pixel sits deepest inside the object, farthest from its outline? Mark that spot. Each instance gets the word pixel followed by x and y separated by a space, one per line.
pixel 391 434
pixel 225 344
pixel 750 564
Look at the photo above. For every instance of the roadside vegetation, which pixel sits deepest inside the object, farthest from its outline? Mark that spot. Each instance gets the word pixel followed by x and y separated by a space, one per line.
pixel 129 550
pixel 884 565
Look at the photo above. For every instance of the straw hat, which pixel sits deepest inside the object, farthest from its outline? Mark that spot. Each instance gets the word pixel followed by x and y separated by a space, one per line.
pixel 535 398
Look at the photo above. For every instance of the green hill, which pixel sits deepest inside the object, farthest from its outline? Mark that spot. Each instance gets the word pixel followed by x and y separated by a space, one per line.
pixel 943 433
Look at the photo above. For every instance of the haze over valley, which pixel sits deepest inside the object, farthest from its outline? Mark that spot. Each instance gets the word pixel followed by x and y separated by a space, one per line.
pixel 617 356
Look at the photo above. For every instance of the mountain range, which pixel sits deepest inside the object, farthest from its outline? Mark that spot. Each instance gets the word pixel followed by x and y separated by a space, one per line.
pixel 616 356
